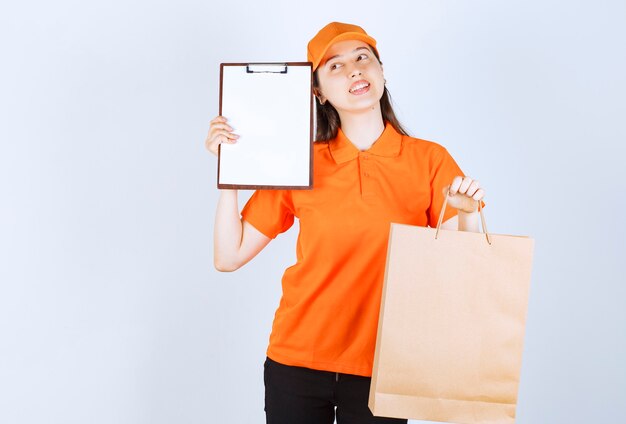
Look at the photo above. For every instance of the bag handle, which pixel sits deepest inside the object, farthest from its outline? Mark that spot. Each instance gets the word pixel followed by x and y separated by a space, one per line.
pixel 480 210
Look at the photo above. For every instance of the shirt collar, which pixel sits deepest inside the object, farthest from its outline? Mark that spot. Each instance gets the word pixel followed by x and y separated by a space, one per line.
pixel 387 145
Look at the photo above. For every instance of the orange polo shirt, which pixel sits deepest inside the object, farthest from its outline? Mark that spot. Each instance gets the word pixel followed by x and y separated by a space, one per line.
pixel 327 318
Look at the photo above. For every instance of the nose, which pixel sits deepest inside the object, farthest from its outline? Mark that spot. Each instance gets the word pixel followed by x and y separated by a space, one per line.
pixel 355 71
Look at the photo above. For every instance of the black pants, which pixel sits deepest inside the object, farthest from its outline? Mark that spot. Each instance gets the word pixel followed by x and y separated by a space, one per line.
pixel 296 395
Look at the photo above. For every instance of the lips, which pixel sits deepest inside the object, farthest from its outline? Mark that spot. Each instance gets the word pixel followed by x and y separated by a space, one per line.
pixel 359 87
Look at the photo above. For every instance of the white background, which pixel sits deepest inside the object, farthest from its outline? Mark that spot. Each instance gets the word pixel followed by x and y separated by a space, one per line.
pixel 110 309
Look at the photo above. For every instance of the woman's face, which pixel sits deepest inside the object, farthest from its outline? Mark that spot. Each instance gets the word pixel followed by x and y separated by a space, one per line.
pixel 350 77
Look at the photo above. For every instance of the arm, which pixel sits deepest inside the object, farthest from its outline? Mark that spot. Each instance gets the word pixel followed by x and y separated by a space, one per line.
pixel 235 241
pixel 464 221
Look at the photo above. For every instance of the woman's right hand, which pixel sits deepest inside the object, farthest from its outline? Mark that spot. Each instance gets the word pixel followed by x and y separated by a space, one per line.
pixel 219 132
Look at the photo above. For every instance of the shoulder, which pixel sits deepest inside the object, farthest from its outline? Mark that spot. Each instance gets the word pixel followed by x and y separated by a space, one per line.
pixel 424 149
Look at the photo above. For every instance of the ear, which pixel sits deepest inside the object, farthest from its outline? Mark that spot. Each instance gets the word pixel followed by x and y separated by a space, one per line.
pixel 319 95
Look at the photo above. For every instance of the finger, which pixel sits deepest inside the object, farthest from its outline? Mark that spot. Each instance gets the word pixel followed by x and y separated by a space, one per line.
pixel 464 185
pixel 220 126
pixel 219 132
pixel 446 190
pixel 218 119
pixel 456 183
pixel 222 136
pixel 480 193
pixel 226 137
pixel 475 185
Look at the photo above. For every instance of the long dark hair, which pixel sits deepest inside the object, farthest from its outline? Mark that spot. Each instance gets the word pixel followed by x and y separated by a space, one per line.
pixel 328 121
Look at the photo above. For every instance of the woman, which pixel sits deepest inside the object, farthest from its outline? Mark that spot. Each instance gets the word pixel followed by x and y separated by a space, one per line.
pixel 368 172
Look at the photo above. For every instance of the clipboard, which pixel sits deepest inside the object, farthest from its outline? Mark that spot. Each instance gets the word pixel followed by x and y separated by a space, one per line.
pixel 270 106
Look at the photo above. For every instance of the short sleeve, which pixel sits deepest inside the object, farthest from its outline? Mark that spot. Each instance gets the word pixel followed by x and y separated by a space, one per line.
pixel 269 211
pixel 443 169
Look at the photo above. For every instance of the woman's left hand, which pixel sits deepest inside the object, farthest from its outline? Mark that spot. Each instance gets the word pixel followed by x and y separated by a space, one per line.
pixel 464 194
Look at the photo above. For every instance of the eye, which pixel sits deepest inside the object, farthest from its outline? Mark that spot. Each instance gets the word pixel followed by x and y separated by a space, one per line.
pixel 363 55
pixel 334 66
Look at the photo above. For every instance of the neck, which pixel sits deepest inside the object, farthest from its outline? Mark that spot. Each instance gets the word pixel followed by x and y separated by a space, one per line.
pixel 363 128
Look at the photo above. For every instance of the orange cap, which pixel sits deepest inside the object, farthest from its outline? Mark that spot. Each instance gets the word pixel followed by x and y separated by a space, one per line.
pixel 331 33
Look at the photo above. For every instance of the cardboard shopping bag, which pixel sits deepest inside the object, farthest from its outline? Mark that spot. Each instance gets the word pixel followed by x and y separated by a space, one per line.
pixel 451 326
